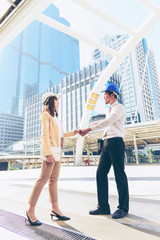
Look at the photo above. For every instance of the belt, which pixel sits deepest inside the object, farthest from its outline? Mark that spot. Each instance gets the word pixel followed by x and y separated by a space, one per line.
pixel 114 138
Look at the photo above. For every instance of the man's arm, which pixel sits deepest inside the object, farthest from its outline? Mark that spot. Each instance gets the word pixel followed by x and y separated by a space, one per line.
pixel 113 117
pixel 110 119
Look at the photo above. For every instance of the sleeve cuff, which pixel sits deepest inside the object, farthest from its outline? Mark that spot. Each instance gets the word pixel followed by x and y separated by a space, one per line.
pixel 93 128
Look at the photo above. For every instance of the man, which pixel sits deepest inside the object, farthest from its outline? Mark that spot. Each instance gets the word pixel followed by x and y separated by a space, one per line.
pixel 112 154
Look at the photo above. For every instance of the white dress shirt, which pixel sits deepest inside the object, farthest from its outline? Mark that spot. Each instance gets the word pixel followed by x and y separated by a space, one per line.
pixel 114 122
pixel 60 129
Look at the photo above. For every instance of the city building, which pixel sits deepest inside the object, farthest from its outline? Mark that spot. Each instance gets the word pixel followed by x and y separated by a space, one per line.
pixel 11 129
pixel 73 92
pixel 34 61
pixel 141 91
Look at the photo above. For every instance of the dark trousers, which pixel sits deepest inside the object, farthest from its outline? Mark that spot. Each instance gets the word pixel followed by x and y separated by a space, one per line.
pixel 112 154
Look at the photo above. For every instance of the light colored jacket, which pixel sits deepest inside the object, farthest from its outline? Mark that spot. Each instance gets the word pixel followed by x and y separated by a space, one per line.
pixel 50 132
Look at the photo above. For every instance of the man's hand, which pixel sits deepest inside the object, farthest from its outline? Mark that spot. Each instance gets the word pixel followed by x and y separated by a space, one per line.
pixel 50 159
pixel 85 131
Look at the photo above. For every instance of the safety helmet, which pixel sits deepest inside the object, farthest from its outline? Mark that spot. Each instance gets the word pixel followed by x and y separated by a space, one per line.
pixel 111 87
pixel 46 97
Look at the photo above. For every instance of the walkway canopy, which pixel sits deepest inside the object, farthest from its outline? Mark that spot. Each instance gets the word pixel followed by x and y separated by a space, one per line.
pixel 136 136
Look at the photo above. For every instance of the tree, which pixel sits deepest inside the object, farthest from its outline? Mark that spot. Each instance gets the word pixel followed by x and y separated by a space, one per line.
pixel 151 155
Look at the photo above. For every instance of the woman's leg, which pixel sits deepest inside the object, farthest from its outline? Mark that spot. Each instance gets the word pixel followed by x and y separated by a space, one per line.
pixel 52 186
pixel 46 172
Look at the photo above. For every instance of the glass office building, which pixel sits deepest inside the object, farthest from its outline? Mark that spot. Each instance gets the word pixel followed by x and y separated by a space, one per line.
pixel 11 129
pixel 36 60
pixel 141 91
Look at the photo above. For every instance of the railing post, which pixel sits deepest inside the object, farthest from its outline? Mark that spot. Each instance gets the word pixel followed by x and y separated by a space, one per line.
pixel 136 150
pixel 74 153
pixel 36 162
pixel 28 163
pixel 9 165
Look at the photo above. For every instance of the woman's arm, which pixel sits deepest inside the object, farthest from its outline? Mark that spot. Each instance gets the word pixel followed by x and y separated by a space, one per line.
pixel 45 134
pixel 71 133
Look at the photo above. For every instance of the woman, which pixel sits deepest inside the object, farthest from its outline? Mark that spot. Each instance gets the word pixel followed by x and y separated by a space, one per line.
pixel 52 137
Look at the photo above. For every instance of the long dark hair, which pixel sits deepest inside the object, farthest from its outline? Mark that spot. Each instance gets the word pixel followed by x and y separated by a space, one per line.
pixel 52 109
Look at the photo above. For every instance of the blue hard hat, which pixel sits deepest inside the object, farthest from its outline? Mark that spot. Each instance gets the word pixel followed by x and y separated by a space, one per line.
pixel 111 87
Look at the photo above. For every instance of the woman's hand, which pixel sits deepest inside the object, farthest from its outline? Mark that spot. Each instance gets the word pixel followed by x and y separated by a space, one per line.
pixel 77 131
pixel 62 142
pixel 50 159
pixel 85 131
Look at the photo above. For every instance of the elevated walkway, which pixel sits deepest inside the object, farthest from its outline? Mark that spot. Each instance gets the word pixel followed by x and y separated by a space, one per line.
pixel 77 195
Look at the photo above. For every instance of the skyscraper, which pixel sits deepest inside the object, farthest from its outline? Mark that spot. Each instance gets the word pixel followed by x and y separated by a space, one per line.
pixel 11 129
pixel 141 91
pixel 36 60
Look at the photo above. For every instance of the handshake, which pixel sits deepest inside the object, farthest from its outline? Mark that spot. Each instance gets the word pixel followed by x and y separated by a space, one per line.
pixel 82 132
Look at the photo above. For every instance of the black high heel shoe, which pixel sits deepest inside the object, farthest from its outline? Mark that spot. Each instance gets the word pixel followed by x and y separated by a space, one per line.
pixel 62 218
pixel 36 223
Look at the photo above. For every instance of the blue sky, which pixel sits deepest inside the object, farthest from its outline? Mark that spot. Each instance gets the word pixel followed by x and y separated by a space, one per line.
pixel 129 12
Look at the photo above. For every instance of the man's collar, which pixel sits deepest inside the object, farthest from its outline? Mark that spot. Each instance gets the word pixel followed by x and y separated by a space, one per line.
pixel 113 104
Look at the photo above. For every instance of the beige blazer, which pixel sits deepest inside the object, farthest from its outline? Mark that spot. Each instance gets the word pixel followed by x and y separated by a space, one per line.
pixel 50 132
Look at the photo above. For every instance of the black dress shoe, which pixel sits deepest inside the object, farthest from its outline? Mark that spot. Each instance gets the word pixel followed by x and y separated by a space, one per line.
pixel 62 218
pixel 119 213
pixel 36 223
pixel 100 211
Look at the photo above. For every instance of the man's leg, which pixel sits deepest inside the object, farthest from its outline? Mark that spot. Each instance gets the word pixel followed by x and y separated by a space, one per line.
pixel 116 151
pixel 102 182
